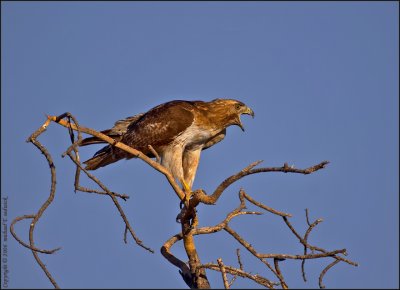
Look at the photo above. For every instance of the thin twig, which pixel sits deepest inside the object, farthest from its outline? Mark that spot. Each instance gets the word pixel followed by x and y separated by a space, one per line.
pixel 79 167
pixel 303 272
pixel 314 248
pixel 158 158
pixel 305 239
pixel 267 208
pixel 307 219
pixel 89 190
pixel 42 209
pixel 74 147
pixel 235 271
pixel 125 235
pixel 321 276
pixel 12 230
pixel 240 266
pixel 223 273
pixel 114 199
pixel 280 276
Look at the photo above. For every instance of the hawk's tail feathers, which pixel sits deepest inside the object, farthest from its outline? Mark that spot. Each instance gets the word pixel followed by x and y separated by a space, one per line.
pixel 95 140
pixel 101 158
pixel 91 140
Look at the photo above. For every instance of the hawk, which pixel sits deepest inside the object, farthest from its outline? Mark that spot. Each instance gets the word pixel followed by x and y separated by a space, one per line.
pixel 177 130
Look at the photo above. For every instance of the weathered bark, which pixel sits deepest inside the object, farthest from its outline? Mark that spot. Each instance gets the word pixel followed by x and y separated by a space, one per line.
pixel 199 278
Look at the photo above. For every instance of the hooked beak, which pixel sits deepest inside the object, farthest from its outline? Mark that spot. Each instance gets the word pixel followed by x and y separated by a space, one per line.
pixel 247 111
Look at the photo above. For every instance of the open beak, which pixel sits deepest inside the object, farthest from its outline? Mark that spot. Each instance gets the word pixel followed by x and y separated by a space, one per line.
pixel 247 111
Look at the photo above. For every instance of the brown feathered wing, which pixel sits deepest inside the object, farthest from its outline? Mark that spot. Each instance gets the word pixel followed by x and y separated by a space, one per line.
pixel 157 127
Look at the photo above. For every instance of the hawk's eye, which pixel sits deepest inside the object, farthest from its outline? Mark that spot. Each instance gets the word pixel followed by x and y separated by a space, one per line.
pixel 238 106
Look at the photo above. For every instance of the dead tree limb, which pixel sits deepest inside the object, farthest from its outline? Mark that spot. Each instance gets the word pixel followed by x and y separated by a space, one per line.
pixel 263 257
pixel 321 276
pixel 35 217
pixel 126 148
pixel 223 273
pixel 193 272
pixel 240 266
pixel 33 139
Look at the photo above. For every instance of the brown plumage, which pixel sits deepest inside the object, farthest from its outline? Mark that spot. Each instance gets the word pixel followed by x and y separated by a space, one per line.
pixel 177 130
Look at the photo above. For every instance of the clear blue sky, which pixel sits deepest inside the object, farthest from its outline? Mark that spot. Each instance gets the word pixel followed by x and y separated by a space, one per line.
pixel 322 78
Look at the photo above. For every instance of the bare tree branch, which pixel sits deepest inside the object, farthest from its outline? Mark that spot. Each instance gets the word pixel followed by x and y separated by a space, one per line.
pixel 234 271
pixel 31 216
pixel 321 276
pixel 240 266
pixel 42 209
pixel 262 256
pixel 310 227
pixel 280 276
pixel 223 273
pixel 267 208
pixel 193 272
pixel 158 158
pixel 89 190
pixel 314 248
pixel 184 269
pixel 116 203
pixel 126 148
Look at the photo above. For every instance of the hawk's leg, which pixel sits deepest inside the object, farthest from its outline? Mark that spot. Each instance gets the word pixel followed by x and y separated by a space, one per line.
pixel 188 192
pixel 190 162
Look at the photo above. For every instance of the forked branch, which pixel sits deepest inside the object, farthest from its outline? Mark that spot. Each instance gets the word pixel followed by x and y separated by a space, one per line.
pixel 193 272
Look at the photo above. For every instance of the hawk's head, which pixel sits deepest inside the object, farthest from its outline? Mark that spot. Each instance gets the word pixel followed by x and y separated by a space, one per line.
pixel 230 111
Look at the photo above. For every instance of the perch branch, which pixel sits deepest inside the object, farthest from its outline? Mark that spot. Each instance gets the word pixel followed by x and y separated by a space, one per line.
pixel 126 148
pixel 251 170
pixel 199 196
pixel 193 273
pixel 206 230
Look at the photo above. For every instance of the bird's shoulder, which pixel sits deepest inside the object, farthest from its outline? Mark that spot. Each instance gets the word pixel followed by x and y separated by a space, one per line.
pixel 171 115
pixel 161 124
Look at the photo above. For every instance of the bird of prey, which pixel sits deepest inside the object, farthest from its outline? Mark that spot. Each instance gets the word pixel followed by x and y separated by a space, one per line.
pixel 177 130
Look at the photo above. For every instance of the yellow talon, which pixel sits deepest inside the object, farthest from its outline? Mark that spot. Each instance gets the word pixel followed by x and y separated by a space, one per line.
pixel 187 190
